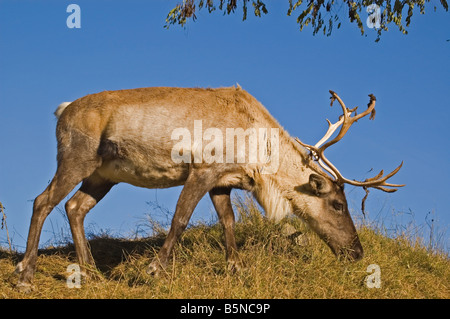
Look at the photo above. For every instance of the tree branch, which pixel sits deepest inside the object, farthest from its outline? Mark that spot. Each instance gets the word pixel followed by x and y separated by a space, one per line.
pixel 320 14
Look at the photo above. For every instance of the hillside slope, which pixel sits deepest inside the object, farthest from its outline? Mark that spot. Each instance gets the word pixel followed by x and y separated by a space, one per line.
pixel 278 265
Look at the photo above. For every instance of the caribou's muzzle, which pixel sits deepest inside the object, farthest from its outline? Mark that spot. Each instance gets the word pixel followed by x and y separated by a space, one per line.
pixel 352 253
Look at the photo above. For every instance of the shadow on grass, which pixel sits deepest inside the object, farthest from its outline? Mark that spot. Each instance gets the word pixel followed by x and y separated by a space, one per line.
pixel 107 252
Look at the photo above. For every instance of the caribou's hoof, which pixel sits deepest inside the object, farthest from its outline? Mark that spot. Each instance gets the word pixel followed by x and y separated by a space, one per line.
pixel 24 287
pixel 235 266
pixel 154 269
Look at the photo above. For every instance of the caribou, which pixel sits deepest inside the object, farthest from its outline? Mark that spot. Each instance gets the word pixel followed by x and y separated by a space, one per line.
pixel 133 136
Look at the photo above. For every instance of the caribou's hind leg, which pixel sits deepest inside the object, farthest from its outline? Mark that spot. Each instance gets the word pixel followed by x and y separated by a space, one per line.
pixel 90 193
pixel 59 187
pixel 76 161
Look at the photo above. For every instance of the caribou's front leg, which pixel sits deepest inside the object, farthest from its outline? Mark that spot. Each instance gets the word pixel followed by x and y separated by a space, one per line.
pixel 199 182
pixel 222 203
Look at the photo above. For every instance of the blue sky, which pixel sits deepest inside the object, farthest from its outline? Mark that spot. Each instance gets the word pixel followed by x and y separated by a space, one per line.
pixel 122 44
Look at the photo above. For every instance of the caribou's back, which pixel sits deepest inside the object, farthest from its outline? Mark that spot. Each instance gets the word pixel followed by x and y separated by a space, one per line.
pixel 132 129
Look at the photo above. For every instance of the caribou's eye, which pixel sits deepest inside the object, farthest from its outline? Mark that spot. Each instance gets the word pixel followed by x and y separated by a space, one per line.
pixel 338 206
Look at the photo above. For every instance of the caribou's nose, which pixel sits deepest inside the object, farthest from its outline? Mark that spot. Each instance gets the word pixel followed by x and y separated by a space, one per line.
pixel 354 253
pixel 357 253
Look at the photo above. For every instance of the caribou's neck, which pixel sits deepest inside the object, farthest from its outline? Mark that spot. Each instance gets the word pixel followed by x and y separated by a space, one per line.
pixel 275 190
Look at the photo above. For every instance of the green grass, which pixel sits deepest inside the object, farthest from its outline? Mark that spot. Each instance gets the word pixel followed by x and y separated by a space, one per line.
pixel 276 266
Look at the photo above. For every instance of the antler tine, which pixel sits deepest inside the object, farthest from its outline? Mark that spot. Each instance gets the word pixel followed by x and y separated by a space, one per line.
pixel 376 177
pixel 348 120
pixel 377 181
pixel 392 174
pixel 345 121
pixel 331 129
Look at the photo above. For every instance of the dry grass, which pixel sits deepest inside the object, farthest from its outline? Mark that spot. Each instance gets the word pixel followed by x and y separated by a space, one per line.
pixel 276 267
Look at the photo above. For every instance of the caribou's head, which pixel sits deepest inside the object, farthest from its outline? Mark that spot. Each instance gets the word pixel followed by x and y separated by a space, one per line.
pixel 322 203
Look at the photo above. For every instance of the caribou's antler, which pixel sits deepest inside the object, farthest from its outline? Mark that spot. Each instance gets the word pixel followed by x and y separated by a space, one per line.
pixel 346 120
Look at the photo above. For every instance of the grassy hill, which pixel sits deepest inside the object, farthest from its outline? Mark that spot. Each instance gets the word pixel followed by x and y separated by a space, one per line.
pixel 281 262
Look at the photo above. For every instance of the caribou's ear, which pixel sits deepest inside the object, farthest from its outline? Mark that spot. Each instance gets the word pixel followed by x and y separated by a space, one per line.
pixel 319 184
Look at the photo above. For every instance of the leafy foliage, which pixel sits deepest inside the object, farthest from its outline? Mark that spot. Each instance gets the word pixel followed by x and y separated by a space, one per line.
pixel 322 15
